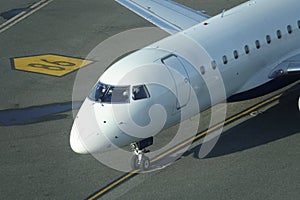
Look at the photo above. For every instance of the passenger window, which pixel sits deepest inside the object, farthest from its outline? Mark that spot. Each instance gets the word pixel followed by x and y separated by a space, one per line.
pixel 140 92
pixel 247 50
pixel 235 54
pixel 279 36
pixel 225 61
pixel 289 29
pixel 257 44
pixel 202 70
pixel 213 64
pixel 268 38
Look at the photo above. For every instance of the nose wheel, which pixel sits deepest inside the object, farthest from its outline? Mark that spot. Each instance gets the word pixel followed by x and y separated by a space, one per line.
pixel 139 160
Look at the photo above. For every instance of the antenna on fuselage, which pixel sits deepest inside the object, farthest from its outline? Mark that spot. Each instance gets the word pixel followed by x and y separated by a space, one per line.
pixel 223 12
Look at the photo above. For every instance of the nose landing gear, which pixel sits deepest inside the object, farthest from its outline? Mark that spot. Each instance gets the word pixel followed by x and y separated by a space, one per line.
pixel 139 160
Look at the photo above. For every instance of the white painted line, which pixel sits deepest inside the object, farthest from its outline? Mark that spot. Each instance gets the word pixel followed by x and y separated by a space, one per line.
pixel 23 15
pixel 37 4
pixel 12 19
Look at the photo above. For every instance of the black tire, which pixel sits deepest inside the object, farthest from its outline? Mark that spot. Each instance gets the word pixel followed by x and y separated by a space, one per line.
pixel 145 163
pixel 135 163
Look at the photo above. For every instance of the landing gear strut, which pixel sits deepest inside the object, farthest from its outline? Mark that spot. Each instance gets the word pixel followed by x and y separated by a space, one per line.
pixel 139 160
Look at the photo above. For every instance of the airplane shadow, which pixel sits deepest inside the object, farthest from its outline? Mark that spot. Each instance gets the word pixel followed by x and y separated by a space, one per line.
pixel 278 122
pixel 36 114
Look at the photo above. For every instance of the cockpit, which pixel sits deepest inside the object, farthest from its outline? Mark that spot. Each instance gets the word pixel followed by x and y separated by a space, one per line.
pixel 118 94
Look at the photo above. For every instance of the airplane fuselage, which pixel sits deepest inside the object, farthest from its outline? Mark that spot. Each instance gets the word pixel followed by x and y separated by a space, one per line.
pixel 187 72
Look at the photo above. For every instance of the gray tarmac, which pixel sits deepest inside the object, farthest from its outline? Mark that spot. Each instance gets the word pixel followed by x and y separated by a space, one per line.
pixel 257 157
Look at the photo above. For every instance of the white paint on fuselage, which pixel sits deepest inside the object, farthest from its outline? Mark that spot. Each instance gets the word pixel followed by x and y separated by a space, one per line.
pixel 199 46
pixel 242 26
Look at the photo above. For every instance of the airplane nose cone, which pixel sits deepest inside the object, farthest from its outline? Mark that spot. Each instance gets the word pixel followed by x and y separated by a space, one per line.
pixel 75 141
pixel 88 134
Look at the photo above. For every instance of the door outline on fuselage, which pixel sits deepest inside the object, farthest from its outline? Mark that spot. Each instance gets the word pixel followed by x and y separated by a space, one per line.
pixel 182 83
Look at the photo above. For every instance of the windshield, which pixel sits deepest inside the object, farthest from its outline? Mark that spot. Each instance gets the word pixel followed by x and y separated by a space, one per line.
pixel 110 94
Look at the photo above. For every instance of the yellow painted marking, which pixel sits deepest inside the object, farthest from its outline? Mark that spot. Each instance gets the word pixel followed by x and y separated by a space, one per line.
pixel 172 150
pixel 49 64
pixel 113 184
pixel 246 112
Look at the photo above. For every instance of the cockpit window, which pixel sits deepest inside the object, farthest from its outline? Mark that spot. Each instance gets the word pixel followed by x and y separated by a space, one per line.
pixel 110 94
pixel 140 92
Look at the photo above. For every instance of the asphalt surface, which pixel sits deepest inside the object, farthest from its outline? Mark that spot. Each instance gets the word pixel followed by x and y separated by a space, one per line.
pixel 257 157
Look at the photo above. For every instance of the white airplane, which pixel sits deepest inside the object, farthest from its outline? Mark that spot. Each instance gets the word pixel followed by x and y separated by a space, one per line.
pixel 244 48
